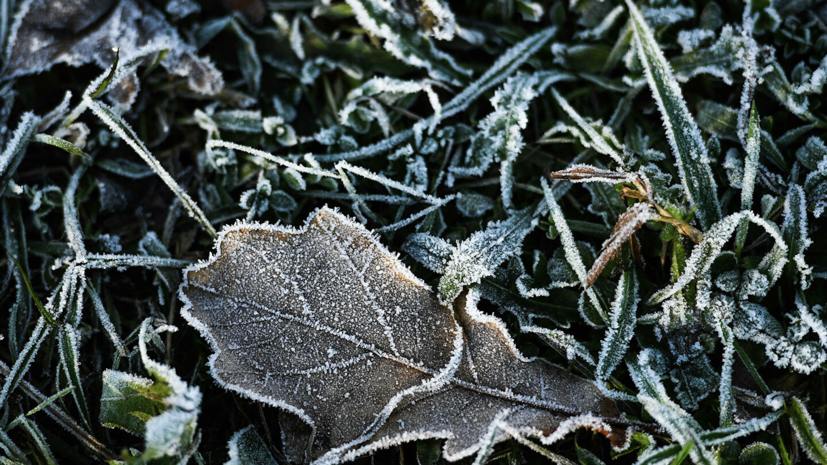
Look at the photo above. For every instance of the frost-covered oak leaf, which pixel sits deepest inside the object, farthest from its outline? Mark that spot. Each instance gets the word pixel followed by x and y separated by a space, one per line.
pixel 48 32
pixel 325 323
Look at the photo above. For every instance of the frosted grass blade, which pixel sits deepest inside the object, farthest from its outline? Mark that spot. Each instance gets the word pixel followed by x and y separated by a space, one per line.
pixel 595 140
pixel 119 126
pixel 24 360
pixel 504 67
pixel 795 233
pixel 39 440
pixel 750 173
pixel 69 343
pixel 106 322
pixel 60 143
pixel 681 130
pixel 806 431
pixel 570 249
pixel 16 148
pixel 104 261
pixel 620 332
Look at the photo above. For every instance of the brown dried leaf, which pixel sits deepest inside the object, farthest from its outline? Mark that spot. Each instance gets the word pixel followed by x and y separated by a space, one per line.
pixel 589 173
pixel 325 323
pixel 630 221
pixel 76 32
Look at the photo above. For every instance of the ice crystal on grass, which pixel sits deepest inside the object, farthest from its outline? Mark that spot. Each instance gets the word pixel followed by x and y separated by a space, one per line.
pixel 591 137
pixel 621 328
pixel 795 232
pixel 15 148
pixel 360 334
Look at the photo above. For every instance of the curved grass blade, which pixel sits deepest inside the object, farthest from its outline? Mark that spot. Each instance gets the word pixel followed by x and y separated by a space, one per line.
pixel 119 126
pixel 60 143
pixel 40 407
pixel 102 87
pixel 46 314
pixel 16 148
pixel 806 432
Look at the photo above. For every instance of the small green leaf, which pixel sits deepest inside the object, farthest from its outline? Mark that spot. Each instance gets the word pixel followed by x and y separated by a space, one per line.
pixel 759 453
pixel 102 87
pixel 125 168
pixel 247 447
pixel 128 400
pixel 60 143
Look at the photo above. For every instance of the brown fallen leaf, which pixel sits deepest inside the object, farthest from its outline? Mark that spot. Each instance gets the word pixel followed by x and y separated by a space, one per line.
pixel 76 32
pixel 589 173
pixel 630 221
pixel 325 323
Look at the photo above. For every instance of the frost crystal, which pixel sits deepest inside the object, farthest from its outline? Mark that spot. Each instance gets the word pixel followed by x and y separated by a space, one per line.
pixel 246 447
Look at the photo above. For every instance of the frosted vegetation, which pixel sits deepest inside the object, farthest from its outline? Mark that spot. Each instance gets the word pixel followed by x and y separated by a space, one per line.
pixel 413 231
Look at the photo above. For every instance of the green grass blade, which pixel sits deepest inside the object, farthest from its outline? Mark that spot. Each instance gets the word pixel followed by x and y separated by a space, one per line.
pixel 681 130
pixel 68 349
pixel 24 360
pixel 750 173
pixel 119 126
pixel 60 143
pixel 806 432
pixel 683 454
pixel 43 311
pixel 102 87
